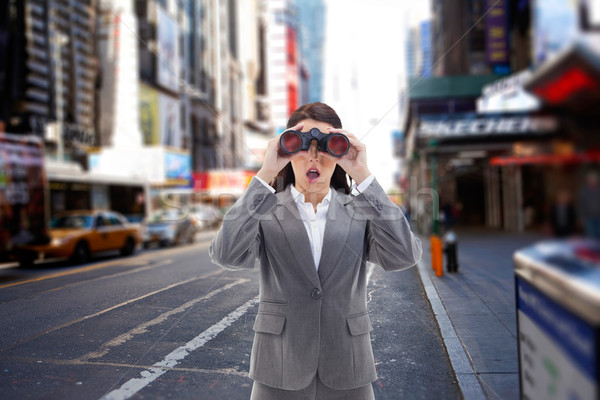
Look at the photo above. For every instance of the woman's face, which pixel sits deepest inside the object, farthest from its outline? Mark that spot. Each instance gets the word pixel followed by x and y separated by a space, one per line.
pixel 313 169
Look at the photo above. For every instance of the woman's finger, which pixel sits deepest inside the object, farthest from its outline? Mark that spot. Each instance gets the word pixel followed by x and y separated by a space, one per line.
pixel 351 136
pixel 296 127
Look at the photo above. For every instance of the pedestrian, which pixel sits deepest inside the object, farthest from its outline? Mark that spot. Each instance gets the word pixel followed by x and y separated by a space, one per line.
pixel 313 238
pixel 562 215
pixel 448 215
pixel 589 205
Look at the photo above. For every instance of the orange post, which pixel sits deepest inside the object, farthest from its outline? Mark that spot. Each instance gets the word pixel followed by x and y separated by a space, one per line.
pixel 437 255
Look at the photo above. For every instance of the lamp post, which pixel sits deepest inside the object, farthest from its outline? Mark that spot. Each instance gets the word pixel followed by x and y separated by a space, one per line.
pixel 59 40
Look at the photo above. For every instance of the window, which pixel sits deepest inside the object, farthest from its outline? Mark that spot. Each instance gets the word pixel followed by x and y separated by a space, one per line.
pixel 100 221
pixel 114 220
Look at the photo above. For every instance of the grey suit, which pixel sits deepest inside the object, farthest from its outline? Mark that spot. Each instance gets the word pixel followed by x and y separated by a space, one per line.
pixel 311 321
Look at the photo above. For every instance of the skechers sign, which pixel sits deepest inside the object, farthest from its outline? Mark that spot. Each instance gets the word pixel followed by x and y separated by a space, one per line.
pixel 486 127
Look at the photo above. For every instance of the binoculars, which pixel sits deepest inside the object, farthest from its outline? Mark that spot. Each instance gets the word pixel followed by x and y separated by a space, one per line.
pixel 336 144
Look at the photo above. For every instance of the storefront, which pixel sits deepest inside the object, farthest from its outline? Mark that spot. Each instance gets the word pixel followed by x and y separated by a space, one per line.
pixel 532 138
pixel 74 189
pixel 221 188
pixel 568 85
pixel 160 168
pixel 457 166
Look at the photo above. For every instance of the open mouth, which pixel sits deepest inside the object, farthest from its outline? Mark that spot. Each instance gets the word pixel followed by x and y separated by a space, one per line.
pixel 313 175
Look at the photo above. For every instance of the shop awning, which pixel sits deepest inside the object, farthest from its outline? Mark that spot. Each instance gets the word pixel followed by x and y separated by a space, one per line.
pixel 222 182
pixel 548 159
pixel 571 79
pixel 448 86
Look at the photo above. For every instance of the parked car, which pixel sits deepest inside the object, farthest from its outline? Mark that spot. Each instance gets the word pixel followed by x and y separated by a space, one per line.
pixel 77 235
pixel 207 216
pixel 169 227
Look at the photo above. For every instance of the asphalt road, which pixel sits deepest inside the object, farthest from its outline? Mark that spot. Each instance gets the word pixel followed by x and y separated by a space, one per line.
pixel 170 324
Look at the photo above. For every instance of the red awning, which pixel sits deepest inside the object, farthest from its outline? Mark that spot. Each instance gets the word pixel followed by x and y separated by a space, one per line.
pixel 592 156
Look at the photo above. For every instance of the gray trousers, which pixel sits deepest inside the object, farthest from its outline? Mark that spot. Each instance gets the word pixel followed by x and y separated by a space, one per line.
pixel 315 391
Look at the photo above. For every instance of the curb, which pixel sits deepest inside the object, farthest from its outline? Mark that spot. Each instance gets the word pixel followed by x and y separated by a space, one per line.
pixel 465 374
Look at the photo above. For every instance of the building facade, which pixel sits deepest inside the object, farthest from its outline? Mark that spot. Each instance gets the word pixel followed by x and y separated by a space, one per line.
pixel 494 138
pixel 311 41
pixel 50 72
pixel 283 63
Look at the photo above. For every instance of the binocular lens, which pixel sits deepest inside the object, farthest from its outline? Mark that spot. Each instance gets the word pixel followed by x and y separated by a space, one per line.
pixel 335 144
pixel 291 142
pixel 338 145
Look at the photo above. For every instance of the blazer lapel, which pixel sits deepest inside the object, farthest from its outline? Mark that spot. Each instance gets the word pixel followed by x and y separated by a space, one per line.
pixel 295 233
pixel 336 233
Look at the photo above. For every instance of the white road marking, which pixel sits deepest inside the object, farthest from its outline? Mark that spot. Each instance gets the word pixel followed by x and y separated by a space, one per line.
pixel 96 314
pixel 140 268
pixel 134 385
pixel 222 371
pixel 142 328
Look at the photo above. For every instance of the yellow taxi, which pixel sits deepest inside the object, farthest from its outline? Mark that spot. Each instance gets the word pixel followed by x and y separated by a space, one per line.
pixel 79 234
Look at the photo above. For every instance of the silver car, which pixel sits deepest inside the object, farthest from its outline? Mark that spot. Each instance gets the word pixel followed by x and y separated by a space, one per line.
pixel 168 227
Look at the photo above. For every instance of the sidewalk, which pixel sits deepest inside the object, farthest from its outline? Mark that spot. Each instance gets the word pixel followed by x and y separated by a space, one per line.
pixel 479 300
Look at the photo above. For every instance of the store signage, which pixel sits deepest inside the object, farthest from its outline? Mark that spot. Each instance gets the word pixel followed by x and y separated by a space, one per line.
pixel 71 133
pixel 568 84
pixel 79 135
pixel 507 95
pixel 496 32
pixel 463 128
pixel 510 84
pixel 222 182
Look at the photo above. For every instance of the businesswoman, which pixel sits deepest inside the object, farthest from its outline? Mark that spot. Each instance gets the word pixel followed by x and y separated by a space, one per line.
pixel 313 237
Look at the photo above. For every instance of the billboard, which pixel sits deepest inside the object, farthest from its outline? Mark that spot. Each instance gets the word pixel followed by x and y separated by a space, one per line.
pixel 149 123
pixel 167 37
pixel 169 117
pixel 496 33
pixel 178 168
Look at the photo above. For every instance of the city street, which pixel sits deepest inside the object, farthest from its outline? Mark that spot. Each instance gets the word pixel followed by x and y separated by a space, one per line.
pixel 170 324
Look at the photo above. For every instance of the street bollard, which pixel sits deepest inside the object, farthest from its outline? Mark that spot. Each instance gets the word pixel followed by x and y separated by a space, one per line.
pixel 450 248
pixel 436 255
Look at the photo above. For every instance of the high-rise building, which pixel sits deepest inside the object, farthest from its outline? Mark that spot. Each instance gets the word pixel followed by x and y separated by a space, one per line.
pixel 203 77
pixel 426 48
pixel 118 90
pixel 283 72
pixel 311 37
pixel 419 54
pixel 50 63
pixel 412 59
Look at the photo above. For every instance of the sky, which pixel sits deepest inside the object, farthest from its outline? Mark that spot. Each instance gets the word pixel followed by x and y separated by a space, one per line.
pixel 364 72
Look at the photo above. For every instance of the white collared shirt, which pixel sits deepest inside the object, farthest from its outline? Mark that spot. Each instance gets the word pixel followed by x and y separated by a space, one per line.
pixel 315 222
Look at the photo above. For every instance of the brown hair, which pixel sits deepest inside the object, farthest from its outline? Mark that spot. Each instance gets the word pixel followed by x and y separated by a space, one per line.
pixel 319 112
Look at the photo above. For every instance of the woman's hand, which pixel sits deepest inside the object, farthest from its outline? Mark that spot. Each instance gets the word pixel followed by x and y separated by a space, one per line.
pixel 275 159
pixel 354 162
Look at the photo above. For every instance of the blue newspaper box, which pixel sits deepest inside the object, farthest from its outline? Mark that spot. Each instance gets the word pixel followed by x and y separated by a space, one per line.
pixel 557 285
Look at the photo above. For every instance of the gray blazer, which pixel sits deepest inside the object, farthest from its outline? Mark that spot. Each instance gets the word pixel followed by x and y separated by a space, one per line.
pixel 311 321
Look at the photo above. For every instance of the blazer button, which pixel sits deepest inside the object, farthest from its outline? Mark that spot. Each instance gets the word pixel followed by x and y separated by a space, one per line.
pixel 259 197
pixel 371 197
pixel 316 294
pixel 252 206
